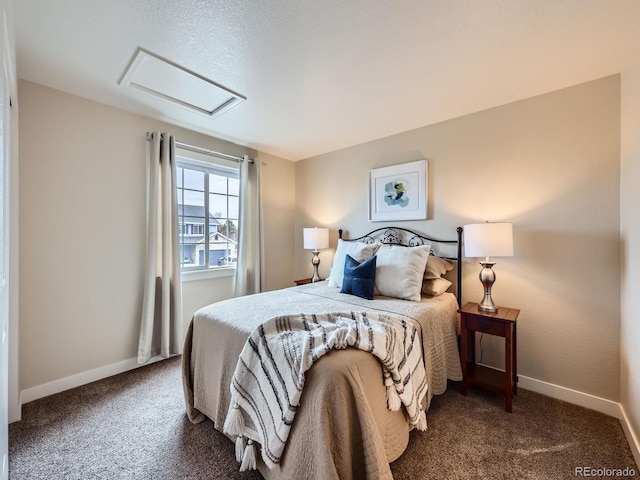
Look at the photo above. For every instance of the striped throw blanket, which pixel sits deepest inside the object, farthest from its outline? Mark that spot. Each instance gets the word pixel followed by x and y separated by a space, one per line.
pixel 269 377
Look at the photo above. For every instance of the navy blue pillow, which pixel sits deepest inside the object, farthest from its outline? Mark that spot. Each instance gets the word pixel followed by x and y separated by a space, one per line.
pixel 359 278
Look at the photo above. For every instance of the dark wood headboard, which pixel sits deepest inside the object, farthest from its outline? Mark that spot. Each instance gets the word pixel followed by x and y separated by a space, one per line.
pixel 449 249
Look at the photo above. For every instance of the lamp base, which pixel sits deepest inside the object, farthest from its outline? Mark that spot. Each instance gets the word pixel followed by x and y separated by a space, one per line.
pixel 487 306
pixel 487 277
pixel 315 261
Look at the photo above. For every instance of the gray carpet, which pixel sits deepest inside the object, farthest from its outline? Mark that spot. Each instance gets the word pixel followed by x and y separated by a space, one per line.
pixel 133 426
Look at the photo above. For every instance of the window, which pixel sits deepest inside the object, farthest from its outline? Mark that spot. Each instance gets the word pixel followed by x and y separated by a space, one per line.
pixel 208 207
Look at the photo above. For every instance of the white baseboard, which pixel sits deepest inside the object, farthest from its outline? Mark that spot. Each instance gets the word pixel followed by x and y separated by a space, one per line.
pixel 632 438
pixel 608 407
pixel 575 397
pixel 40 391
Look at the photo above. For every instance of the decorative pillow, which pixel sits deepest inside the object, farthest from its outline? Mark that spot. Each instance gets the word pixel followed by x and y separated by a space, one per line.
pixel 435 286
pixel 359 252
pixel 437 267
pixel 400 270
pixel 359 278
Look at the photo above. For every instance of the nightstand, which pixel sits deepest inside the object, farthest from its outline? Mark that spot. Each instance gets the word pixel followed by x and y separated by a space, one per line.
pixel 502 324
pixel 302 281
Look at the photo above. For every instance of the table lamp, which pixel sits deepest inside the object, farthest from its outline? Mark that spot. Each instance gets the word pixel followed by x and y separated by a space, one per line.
pixel 315 239
pixel 488 240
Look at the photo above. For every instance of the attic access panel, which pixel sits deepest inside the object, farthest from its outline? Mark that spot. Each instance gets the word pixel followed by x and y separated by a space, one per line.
pixel 169 81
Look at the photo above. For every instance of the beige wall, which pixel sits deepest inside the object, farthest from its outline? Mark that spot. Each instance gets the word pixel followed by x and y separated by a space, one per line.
pixel 278 207
pixel 198 293
pixel 82 234
pixel 550 165
pixel 630 232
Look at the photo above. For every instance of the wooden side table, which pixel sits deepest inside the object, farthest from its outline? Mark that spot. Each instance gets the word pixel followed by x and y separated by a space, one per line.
pixel 502 324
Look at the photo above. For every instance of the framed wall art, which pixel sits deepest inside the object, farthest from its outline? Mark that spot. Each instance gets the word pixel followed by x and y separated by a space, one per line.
pixel 398 192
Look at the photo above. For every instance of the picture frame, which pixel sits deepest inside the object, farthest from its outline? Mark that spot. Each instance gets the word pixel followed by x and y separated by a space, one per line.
pixel 398 192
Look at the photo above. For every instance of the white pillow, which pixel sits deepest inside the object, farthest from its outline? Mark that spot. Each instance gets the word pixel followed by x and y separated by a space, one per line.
pixel 359 251
pixel 399 271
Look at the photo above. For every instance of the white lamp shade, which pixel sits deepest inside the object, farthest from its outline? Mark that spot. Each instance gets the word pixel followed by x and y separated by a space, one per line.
pixel 488 240
pixel 316 238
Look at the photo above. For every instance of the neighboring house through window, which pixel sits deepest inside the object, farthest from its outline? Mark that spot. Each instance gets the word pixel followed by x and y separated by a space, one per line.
pixel 208 206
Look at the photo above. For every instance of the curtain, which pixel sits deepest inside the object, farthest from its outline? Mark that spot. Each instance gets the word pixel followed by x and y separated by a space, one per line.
pixel 249 268
pixel 161 322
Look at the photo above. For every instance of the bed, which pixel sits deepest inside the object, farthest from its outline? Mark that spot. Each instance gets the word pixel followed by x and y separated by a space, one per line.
pixel 343 427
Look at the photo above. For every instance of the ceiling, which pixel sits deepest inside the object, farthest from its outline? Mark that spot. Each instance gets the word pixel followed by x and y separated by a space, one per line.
pixel 321 75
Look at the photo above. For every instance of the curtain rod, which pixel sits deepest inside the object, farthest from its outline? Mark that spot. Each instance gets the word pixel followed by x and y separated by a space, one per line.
pixel 206 151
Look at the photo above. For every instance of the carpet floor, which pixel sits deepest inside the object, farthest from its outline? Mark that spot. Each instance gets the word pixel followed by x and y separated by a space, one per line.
pixel 133 426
